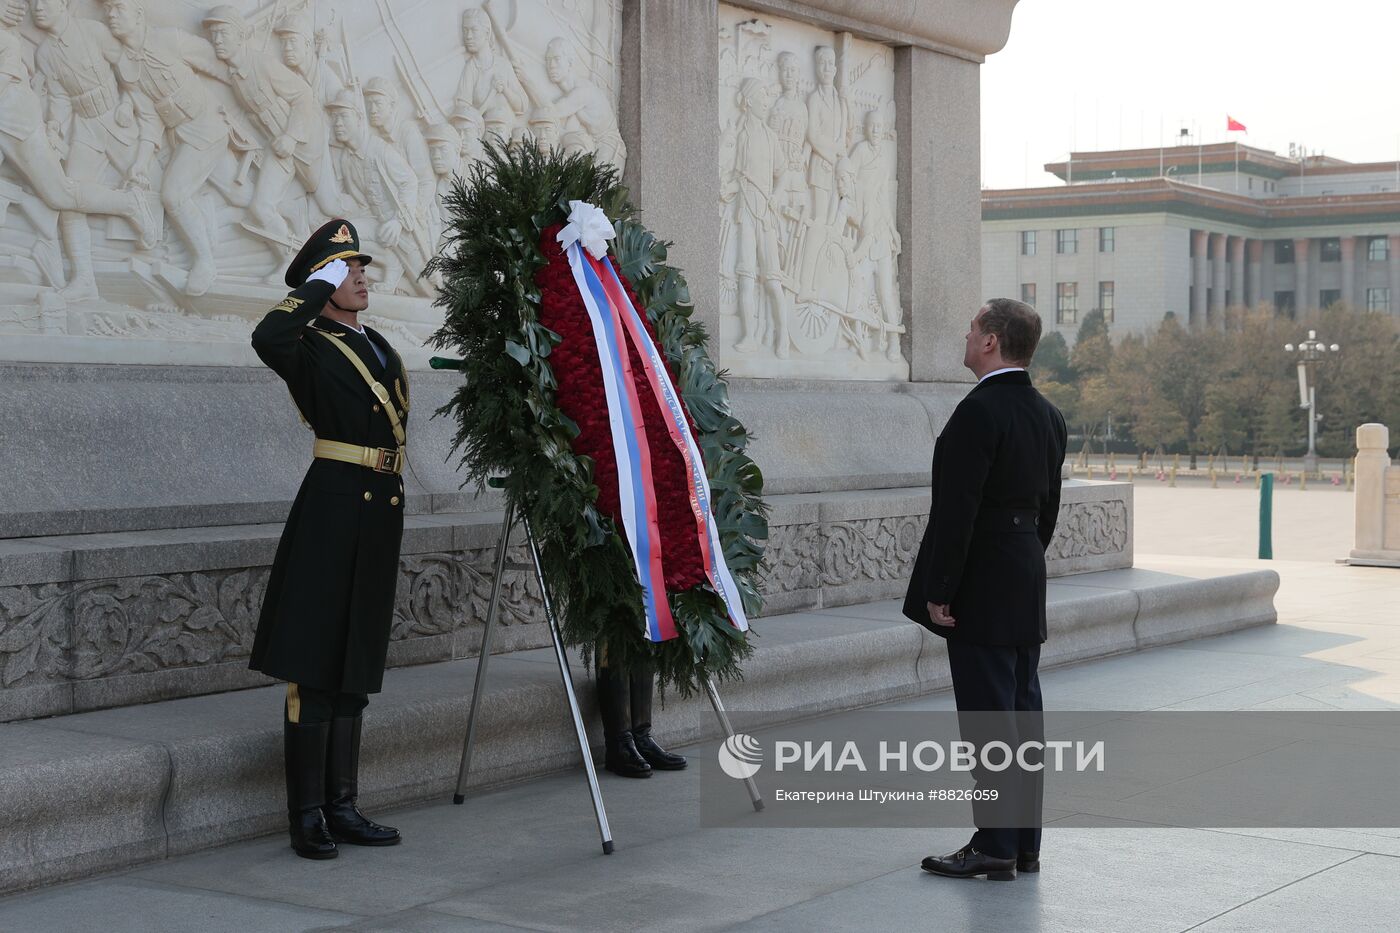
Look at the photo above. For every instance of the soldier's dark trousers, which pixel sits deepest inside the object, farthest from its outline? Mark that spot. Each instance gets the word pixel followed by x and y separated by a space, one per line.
pixel 322 730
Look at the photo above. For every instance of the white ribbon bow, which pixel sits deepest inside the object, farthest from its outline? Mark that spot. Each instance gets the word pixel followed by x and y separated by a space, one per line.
pixel 587 225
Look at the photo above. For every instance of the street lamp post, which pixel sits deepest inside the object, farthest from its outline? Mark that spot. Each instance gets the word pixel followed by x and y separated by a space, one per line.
pixel 1310 352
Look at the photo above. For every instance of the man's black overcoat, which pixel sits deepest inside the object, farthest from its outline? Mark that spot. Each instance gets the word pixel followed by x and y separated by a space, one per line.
pixel 996 496
pixel 330 598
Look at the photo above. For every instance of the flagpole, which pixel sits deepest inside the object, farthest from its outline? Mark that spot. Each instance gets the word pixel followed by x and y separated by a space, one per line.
pixel 1162 153
pixel 1198 152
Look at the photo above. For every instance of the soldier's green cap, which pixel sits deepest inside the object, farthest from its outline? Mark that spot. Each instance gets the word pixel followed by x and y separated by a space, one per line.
pixel 336 239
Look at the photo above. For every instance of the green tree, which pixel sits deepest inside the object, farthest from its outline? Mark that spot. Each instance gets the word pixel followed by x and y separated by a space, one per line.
pixel 1051 362
pixel 1180 365
pixel 1358 383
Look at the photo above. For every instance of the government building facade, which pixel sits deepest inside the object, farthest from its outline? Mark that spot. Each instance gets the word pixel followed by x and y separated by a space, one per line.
pixel 1193 230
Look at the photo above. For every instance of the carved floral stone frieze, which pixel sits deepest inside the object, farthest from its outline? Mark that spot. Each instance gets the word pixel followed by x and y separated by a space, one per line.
pixel 61 632
pixel 1088 529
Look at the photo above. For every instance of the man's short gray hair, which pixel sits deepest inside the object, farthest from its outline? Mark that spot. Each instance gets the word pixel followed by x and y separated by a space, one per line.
pixel 1017 326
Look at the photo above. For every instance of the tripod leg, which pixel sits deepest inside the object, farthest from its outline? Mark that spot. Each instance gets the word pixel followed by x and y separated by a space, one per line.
pixel 598 811
pixel 492 609
pixel 754 796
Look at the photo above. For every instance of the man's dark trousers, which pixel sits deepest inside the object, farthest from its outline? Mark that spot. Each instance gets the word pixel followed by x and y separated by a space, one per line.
pixel 991 679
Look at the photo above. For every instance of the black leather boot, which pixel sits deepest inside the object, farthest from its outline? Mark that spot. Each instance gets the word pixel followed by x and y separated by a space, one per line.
pixel 620 756
pixel 656 756
pixel 346 822
pixel 304 747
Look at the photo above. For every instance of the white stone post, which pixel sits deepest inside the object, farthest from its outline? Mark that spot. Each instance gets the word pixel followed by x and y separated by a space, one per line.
pixel 1372 463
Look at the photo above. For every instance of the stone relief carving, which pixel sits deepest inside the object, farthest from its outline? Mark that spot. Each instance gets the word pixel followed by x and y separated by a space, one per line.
pixel 133 625
pixel 1086 529
pixel 809 556
pixel 164 161
pixel 808 243
pixel 57 632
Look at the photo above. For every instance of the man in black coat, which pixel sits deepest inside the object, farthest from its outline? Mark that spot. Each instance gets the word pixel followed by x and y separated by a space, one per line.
pixel 979 579
pixel 325 619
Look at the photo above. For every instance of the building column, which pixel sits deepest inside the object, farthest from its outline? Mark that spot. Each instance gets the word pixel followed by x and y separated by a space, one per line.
pixel 1302 300
pixel 1199 239
pixel 1393 267
pixel 939 212
pixel 1257 294
pixel 1217 281
pixel 668 113
pixel 1349 271
pixel 1237 271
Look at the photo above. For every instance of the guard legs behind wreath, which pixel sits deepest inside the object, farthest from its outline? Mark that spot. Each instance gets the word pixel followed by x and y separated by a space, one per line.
pixel 630 749
pixel 656 756
pixel 621 756
pixel 322 759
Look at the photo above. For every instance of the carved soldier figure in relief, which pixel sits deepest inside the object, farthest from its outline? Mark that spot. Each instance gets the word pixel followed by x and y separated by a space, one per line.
pixel 445 154
pixel 758 162
pixel 872 162
pixel 788 118
pixel 544 128
pixel 381 182
pixel 402 134
pixel 488 87
pixel 828 132
pixel 585 103
pixel 25 143
pixel 283 105
pixel 157 69
pixel 299 54
pixel 74 63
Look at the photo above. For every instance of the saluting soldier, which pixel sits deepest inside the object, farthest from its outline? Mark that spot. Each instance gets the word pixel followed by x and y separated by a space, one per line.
pixel 330 598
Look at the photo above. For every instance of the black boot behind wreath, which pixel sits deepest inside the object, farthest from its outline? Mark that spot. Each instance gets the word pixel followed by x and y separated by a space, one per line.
pixel 346 822
pixel 621 756
pixel 304 747
pixel 656 756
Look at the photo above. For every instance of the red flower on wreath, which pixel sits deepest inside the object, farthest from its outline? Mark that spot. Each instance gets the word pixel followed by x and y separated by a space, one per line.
pixel 581 397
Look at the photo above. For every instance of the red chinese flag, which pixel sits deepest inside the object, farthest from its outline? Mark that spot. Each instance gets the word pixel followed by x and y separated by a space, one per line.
pixel 1234 126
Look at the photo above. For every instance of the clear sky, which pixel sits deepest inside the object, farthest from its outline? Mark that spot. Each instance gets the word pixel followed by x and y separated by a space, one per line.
pixel 1109 74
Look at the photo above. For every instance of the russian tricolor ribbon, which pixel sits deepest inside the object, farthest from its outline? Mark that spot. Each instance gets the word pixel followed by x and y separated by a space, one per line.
pixel 615 322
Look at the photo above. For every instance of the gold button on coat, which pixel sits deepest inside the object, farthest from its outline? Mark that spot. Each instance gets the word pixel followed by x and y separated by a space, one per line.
pixel 393 500
pixel 376 408
pixel 368 495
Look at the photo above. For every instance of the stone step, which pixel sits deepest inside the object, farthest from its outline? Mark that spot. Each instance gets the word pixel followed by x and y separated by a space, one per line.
pixel 108 789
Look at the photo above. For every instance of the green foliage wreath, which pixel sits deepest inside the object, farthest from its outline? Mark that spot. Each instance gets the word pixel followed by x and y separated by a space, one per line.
pixel 510 426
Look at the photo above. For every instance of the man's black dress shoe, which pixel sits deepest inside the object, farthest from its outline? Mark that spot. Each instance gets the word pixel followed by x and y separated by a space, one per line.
pixel 967 862
pixel 1028 861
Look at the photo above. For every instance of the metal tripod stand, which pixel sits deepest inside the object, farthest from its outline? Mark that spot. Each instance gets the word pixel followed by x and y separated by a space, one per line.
pixel 581 733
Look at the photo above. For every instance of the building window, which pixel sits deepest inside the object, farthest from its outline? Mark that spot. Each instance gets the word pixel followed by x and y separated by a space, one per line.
pixel 1105 239
pixel 1283 303
pixel 1027 242
pixel 1327 297
pixel 1066 241
pixel 1251 183
pixel 1067 303
pixel 1028 293
pixel 1377 299
pixel 1106 301
pixel 1331 250
pixel 1378 249
pixel 1283 252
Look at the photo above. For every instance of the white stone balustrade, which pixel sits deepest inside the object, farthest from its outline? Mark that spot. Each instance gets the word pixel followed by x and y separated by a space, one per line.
pixel 1377 500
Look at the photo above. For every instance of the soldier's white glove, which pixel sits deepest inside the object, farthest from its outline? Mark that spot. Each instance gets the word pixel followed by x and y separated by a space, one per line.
pixel 333 272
